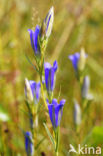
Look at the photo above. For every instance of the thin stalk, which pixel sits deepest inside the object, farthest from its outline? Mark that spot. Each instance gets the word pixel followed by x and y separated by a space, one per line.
pixel 57 154
pixel 42 92
pixel 57 141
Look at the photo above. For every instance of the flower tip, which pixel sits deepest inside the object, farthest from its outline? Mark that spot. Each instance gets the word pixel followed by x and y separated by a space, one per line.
pixel 62 101
pixel 29 30
pixel 47 65
pixel 55 65
pixel 54 101
pixel 52 9
pixel 47 101
pixel 70 57
pixel 26 82
pixel 27 133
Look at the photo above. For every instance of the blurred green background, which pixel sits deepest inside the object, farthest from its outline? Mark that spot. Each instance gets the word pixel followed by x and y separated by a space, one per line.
pixel 77 24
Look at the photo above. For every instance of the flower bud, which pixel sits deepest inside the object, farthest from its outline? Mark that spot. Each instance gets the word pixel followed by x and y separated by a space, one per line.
pixel 47 24
pixel 32 90
pixel 34 38
pixel 29 144
pixel 28 92
pixel 82 60
pixel 85 86
pixel 77 113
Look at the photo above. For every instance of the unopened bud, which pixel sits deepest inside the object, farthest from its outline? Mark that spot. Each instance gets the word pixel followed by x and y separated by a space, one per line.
pixel 47 24
pixel 82 60
pixel 29 147
pixel 77 113
pixel 28 92
pixel 85 86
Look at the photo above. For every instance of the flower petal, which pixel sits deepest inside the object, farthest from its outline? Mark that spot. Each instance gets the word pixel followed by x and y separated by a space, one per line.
pixel 58 114
pixel 31 37
pixel 28 143
pixel 35 39
pixel 51 109
pixel 38 91
pixel 62 101
pixel 47 78
pixel 74 58
pixel 32 86
pixel 51 79
pixel 47 65
pixel 54 102
pixel 55 65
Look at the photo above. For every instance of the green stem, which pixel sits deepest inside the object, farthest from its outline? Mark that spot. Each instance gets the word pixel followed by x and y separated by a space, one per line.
pixel 57 140
pixel 42 92
pixel 50 97
pixel 57 153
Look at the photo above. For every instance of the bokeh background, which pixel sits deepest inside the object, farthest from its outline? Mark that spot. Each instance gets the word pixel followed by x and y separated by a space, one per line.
pixel 77 24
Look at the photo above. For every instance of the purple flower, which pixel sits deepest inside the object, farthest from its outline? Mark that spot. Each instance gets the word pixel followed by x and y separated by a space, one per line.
pixel 50 76
pixel 35 41
pixel 28 144
pixel 55 111
pixel 32 90
pixel 75 58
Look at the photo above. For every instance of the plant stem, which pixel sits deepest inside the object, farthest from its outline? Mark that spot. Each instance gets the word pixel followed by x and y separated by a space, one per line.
pixel 57 140
pixel 57 153
pixel 42 91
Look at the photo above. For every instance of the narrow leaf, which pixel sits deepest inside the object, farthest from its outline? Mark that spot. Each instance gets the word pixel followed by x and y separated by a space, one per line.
pixel 40 142
pixel 49 134
pixel 35 68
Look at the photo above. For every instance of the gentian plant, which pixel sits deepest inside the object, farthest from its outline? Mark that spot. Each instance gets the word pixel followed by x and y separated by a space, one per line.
pixel 34 90
pixel 79 61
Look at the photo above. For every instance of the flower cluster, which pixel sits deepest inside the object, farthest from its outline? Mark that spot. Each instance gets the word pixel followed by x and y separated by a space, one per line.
pixel 42 92
pixel 34 90
pixel 41 34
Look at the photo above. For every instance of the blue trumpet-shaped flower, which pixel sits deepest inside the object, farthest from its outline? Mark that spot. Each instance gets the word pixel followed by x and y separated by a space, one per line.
pixel 50 75
pixel 35 40
pixel 75 58
pixel 29 144
pixel 32 90
pixel 55 111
